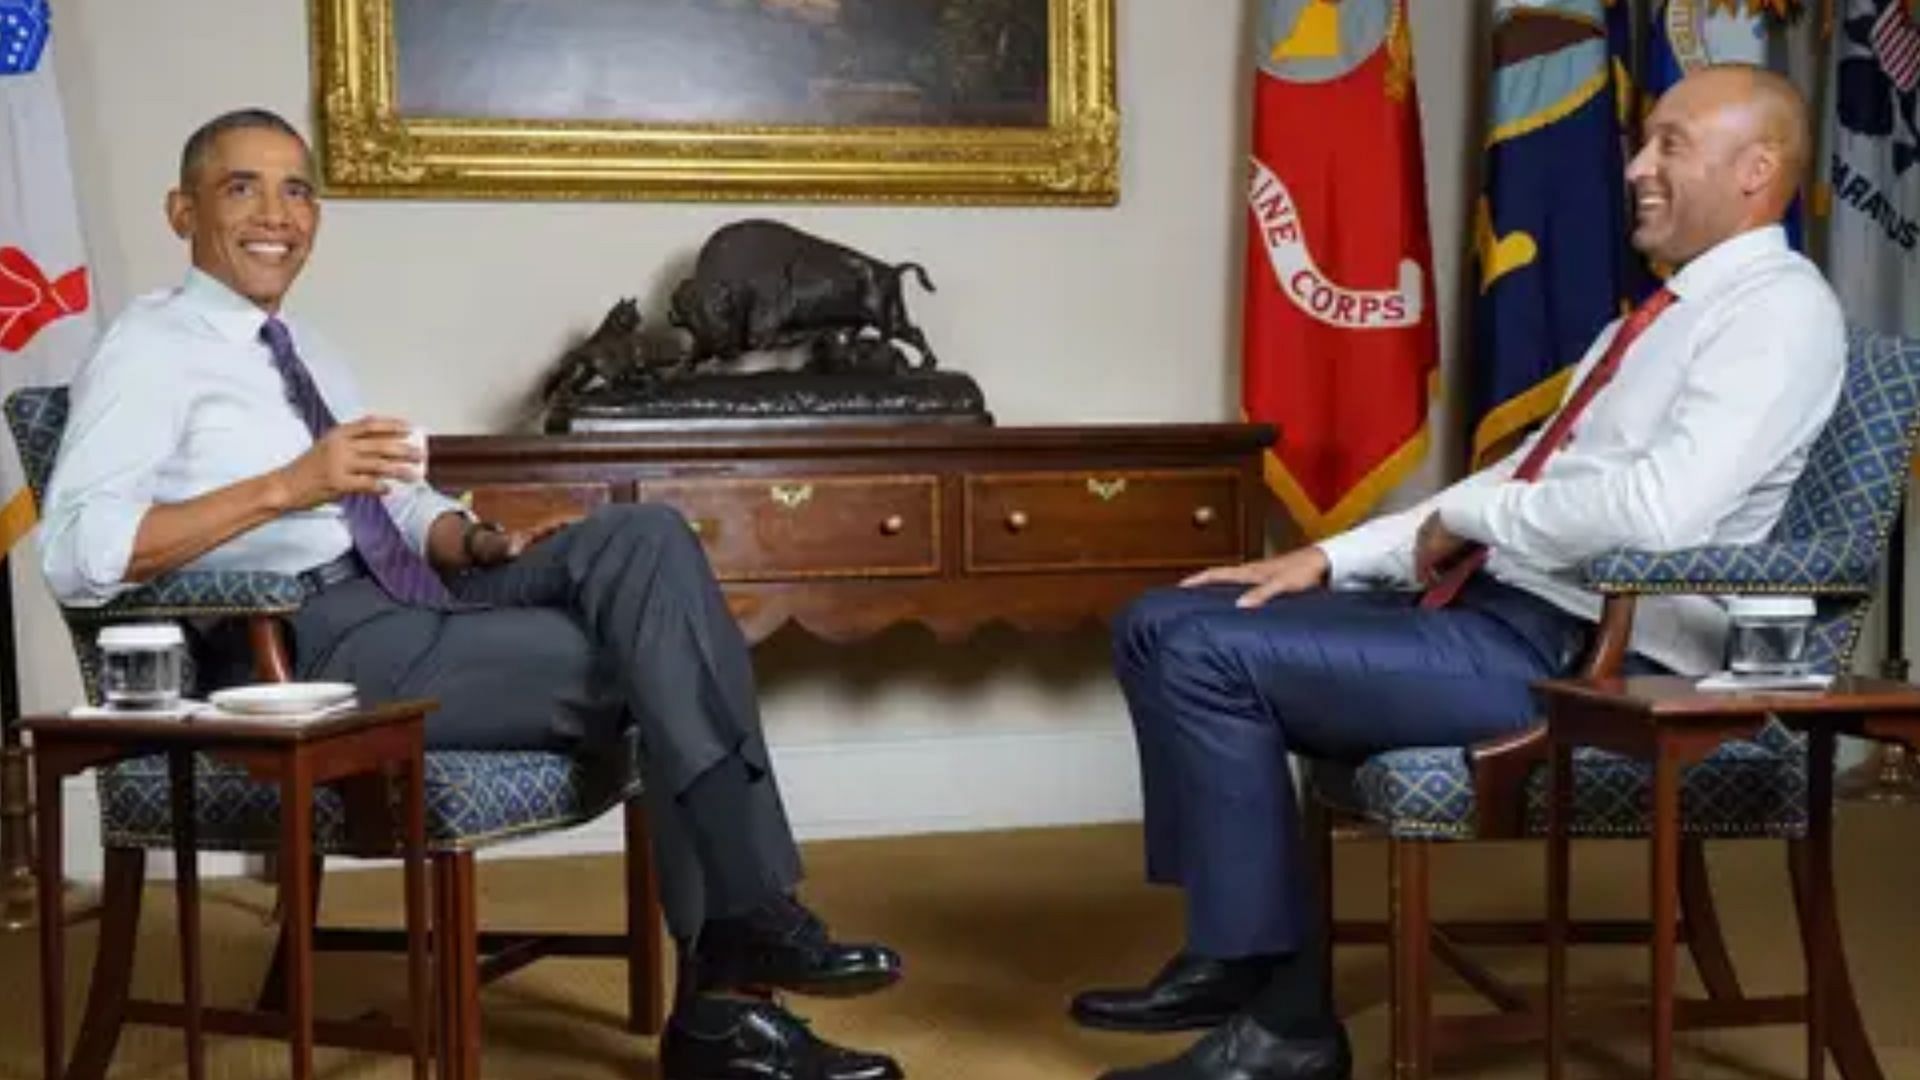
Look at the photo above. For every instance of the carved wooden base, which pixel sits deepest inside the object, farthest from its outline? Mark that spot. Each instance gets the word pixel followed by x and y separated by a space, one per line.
pixel 1889 775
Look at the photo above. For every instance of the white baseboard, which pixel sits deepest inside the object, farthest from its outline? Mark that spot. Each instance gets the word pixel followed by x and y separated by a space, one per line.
pixel 877 787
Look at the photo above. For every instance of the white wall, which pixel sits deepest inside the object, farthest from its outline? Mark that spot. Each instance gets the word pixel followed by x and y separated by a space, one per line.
pixel 454 309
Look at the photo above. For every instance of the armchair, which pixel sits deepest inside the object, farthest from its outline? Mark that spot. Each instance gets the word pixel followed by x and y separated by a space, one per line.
pixel 1828 543
pixel 474 800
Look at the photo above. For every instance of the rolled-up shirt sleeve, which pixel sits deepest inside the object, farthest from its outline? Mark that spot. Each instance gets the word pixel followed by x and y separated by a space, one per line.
pixel 416 506
pixel 126 417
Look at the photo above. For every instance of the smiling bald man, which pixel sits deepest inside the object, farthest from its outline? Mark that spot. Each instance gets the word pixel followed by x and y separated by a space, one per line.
pixel 1686 423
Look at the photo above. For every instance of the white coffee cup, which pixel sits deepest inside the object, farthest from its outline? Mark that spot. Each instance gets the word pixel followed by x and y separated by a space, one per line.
pixel 417 438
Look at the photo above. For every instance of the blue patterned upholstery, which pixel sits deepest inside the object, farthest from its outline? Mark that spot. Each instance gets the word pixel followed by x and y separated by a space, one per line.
pixel 473 798
pixel 1746 788
pixel 37 416
pixel 1828 543
pixel 1821 564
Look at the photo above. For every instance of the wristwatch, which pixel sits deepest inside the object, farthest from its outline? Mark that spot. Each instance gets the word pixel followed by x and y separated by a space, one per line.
pixel 475 527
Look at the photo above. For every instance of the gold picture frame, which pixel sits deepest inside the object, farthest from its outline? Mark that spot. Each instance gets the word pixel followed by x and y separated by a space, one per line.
pixel 370 147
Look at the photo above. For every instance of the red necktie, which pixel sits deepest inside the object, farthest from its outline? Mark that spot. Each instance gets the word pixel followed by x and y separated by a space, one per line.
pixel 1442 591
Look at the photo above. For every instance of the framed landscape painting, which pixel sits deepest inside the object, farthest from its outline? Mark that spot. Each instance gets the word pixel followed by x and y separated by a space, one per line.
pixel 942 101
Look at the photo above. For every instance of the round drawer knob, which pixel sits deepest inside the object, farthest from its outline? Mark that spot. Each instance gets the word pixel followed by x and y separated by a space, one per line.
pixel 1016 521
pixel 1203 517
pixel 893 525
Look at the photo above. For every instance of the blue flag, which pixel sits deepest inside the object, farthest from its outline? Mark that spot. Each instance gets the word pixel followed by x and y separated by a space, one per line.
pixel 1550 229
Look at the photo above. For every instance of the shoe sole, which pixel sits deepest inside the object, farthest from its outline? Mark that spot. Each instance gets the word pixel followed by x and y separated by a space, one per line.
pixel 846 987
pixel 1156 1027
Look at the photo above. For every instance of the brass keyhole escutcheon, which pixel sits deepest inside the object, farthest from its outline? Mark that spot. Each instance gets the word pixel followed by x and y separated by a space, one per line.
pixel 791 496
pixel 1106 490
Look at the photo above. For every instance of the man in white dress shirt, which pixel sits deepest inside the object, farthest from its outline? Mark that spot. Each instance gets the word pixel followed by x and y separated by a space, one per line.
pixel 1426 627
pixel 208 431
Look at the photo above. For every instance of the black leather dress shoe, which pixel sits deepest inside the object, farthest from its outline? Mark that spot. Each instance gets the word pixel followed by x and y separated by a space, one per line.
pixel 1189 992
pixel 1243 1050
pixel 756 1040
pixel 787 948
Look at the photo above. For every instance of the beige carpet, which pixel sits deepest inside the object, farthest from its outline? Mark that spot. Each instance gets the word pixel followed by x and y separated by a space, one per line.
pixel 999 929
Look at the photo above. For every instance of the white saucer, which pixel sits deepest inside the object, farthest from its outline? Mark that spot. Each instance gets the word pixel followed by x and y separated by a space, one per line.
pixel 278 699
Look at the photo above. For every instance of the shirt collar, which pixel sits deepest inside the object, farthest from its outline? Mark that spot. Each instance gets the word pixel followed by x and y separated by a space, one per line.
pixel 232 316
pixel 1723 262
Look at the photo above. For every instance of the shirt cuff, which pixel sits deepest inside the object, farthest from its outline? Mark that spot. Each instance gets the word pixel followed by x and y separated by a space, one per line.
pixel 427 507
pixel 99 553
pixel 1347 559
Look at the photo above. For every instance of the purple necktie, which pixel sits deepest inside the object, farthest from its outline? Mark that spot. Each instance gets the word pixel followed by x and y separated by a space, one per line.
pixel 397 567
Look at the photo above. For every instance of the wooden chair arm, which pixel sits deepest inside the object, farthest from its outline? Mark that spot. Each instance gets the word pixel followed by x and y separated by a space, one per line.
pixel 1501 766
pixel 267 639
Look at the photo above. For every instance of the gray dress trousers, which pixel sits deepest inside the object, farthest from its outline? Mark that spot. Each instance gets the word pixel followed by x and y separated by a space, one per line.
pixel 615 621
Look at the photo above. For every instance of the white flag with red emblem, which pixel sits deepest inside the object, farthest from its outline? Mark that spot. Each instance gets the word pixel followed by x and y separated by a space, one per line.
pixel 1869 183
pixel 46 312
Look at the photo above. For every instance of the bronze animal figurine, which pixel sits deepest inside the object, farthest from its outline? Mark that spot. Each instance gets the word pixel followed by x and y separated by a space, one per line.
pixel 613 356
pixel 761 284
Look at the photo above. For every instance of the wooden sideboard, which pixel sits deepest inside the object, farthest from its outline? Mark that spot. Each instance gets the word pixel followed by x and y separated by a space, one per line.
pixel 848 530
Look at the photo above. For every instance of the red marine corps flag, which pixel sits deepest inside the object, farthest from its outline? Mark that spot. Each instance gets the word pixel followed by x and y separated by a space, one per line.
pixel 1339 343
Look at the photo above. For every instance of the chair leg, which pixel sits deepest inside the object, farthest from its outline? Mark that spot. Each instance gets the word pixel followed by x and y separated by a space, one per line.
pixel 456 953
pixel 1704 938
pixel 273 989
pixel 1409 892
pixel 646 958
pixel 1846 1032
pixel 1316 826
pixel 125 874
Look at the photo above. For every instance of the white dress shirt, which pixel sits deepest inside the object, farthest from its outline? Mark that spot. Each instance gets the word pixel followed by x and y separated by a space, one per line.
pixel 180 398
pixel 1697 440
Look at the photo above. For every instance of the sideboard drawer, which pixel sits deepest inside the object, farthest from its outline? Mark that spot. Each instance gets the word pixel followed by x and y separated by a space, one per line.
pixel 1137 518
pixel 810 526
pixel 522 506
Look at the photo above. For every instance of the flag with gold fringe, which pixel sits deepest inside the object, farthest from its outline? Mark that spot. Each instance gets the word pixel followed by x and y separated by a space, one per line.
pixel 1339 346
pixel 1551 260
pixel 46 311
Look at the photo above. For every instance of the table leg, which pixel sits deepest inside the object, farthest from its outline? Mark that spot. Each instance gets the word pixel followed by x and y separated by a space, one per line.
pixel 53 928
pixel 1559 882
pixel 186 885
pixel 1820 749
pixel 296 876
pixel 1665 882
pixel 419 1019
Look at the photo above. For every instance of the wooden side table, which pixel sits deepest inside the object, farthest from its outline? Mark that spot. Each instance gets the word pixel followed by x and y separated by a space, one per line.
pixel 374 742
pixel 1666 721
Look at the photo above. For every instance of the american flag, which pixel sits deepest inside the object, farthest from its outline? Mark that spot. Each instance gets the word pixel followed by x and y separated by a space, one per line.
pixel 23 32
pixel 1896 41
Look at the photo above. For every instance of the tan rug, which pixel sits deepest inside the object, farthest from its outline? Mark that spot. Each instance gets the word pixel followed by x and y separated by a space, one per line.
pixel 998 930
